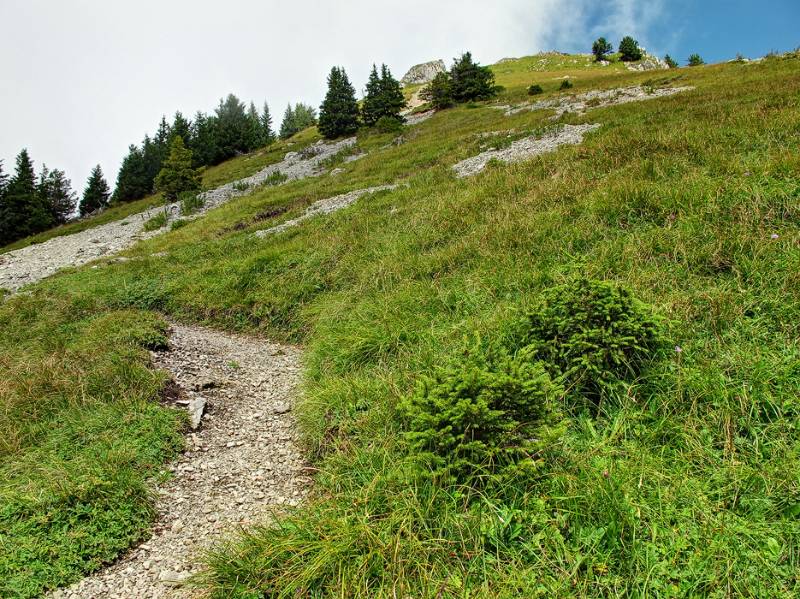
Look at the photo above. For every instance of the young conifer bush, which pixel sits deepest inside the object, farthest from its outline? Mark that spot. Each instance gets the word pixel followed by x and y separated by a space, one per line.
pixel 592 335
pixel 483 415
pixel 566 84
pixel 535 90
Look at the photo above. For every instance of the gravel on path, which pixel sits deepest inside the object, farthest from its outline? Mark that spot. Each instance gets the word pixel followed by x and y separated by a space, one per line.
pixel 240 465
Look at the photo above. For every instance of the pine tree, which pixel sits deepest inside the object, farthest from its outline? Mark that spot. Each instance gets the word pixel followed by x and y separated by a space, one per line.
pixel 96 194
pixel 24 211
pixel 600 48
pixel 254 137
pixel 267 134
pixel 161 140
pixel 371 109
pixel 338 114
pixel 182 127
pixel 232 128
pixel 287 124
pixel 695 60
pixel 56 192
pixel 204 140
pixel 394 102
pixel 439 92
pixel 178 176
pixel 671 62
pixel 629 49
pixel 132 179
pixel 470 81
pixel 151 160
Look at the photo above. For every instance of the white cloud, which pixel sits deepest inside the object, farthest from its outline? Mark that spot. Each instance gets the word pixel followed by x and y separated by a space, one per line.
pixel 83 79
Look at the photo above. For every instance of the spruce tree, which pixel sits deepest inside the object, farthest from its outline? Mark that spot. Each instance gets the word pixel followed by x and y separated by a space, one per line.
pixel 24 212
pixel 695 60
pixel 267 134
pixel 56 192
pixel 133 182
pixel 232 128
pixel 392 92
pixel 177 175
pixel 629 49
pixel 305 116
pixel 182 127
pixel 469 81
pixel 439 92
pixel 600 48
pixel 671 62
pixel 96 194
pixel 338 114
pixel 371 109
pixel 287 124
pixel 254 136
pixel 204 140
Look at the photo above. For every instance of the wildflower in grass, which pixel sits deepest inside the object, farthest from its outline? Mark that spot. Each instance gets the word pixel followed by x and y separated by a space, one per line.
pixel 678 349
pixel 774 236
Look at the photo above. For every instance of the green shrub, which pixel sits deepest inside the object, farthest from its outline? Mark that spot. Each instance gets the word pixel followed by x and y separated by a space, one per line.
pixel 566 84
pixel 439 92
pixel 593 335
pixel 240 186
pixel 695 60
pixel 156 222
pixel 275 178
pixel 178 224
pixel 388 124
pixel 480 416
pixel 190 202
pixel 671 62
pixel 535 90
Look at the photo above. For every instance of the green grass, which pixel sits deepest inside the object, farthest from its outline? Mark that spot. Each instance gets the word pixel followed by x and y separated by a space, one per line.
pixel 686 486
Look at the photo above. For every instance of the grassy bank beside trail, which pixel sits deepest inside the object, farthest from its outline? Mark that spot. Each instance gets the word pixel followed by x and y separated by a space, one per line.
pixel 685 485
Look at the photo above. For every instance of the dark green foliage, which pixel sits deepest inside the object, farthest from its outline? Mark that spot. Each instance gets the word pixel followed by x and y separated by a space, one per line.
pixel 133 180
pixel 695 60
pixel 96 194
pixel 267 134
pixel 594 335
pixel 191 202
pixel 439 92
pixel 338 114
pixel 178 175
pixel 600 48
pixel 470 81
pixel 23 210
pixel 566 84
pixel 671 62
pixel 181 127
pixel 481 415
pixel 384 97
pixel 233 128
pixel 629 49
pixel 389 124
pixel 535 90
pixel 56 192
pixel 297 119
pixel 204 140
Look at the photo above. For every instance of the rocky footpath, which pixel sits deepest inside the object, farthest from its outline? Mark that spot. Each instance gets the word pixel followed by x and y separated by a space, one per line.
pixel 240 465
pixel 326 206
pixel 525 148
pixel 594 99
pixel 35 262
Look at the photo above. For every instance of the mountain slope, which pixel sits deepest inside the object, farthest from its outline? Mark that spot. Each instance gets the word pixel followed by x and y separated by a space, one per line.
pixel 684 486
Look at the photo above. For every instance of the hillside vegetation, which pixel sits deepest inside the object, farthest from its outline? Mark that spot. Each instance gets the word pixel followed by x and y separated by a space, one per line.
pixel 678 478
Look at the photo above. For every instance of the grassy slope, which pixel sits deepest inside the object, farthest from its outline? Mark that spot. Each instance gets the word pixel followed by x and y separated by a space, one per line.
pixel 236 168
pixel 676 198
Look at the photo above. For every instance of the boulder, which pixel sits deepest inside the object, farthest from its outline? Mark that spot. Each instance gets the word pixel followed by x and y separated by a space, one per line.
pixel 423 73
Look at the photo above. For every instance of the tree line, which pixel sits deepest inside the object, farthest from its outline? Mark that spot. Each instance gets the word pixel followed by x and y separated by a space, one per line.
pixel 30 204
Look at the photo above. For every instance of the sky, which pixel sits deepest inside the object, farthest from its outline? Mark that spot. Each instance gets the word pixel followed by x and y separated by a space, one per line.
pixel 80 80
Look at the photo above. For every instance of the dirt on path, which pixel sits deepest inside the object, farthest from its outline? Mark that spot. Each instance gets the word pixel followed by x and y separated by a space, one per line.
pixel 240 465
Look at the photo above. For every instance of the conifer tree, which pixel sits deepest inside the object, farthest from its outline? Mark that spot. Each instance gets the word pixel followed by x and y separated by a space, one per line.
pixel 439 92
pixel 371 107
pixel 204 140
pixel 161 140
pixel 56 192
pixel 177 175
pixel 96 194
pixel 132 179
pixel 338 114
pixel 23 211
pixel 151 159
pixel 629 49
pixel 254 137
pixel 267 134
pixel 393 99
pixel 232 128
pixel 600 48
pixel 305 116
pixel 695 60
pixel 287 124
pixel 469 81
pixel 671 62
pixel 182 127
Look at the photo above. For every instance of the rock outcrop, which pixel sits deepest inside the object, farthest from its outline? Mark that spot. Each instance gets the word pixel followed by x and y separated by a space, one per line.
pixel 423 73
pixel 648 63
